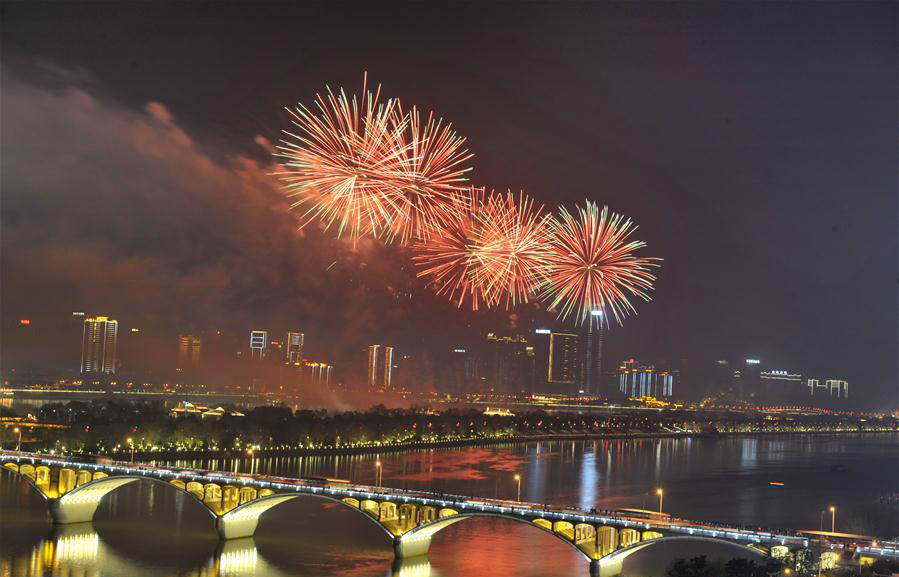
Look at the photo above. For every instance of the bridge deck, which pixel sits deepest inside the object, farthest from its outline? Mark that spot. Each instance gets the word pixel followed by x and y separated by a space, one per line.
pixel 458 503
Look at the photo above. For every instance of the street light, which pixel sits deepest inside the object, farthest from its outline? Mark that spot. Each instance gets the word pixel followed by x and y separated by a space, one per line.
pixel 821 524
pixel 378 465
pixel 833 518
pixel 518 480
pixel 19 431
pixel 661 495
pixel 131 442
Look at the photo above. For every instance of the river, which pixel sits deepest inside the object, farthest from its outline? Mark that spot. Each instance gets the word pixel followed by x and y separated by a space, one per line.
pixel 147 530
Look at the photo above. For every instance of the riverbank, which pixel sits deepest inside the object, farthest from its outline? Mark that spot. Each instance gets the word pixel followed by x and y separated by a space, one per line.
pixel 166 455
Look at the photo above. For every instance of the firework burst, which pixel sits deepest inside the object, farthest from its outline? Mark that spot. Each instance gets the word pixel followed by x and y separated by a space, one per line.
pixel 492 252
pixel 514 251
pixel 452 258
pixel 430 176
pixel 592 266
pixel 334 168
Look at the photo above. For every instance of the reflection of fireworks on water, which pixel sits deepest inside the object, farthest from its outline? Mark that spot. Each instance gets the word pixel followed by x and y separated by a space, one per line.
pixel 334 166
pixel 591 264
pixel 430 178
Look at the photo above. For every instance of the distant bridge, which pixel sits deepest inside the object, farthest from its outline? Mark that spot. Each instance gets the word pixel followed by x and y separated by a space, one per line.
pixel 74 488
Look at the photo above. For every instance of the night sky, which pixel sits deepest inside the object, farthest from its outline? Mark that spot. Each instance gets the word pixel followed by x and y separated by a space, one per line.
pixel 754 143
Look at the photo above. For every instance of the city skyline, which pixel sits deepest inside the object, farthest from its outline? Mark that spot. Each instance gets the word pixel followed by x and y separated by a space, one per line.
pixel 781 270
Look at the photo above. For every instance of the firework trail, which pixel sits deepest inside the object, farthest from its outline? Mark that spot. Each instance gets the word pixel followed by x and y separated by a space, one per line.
pixel 334 167
pixel 591 264
pixel 431 175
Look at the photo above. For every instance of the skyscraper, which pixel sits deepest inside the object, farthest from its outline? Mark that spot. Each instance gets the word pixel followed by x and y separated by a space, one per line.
pixel 189 347
pixel 98 345
pixel 507 363
pixel 593 358
pixel 558 362
pixel 258 344
pixel 380 366
pixel 294 346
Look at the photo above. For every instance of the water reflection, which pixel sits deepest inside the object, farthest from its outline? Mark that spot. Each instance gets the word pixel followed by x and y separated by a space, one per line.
pixel 80 551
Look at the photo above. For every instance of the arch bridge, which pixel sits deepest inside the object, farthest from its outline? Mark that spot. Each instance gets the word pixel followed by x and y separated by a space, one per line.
pixel 73 489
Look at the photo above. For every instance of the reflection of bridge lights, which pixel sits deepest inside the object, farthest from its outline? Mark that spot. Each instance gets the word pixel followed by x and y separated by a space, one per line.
pixel 78 548
pixel 413 569
pixel 238 562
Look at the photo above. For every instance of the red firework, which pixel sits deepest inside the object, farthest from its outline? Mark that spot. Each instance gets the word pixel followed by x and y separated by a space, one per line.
pixel 336 167
pixel 514 247
pixel 430 176
pixel 592 266
pixel 493 251
pixel 451 257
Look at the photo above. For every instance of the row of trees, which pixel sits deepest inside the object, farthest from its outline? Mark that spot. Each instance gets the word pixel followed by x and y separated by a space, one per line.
pixel 104 425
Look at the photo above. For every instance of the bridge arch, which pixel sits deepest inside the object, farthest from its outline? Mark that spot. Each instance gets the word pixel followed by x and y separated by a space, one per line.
pixel 611 565
pixel 242 520
pixel 417 541
pixel 80 504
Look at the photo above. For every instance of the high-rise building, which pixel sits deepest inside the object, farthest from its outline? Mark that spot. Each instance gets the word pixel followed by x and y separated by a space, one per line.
pixel 507 364
pixel 189 347
pixel 593 358
pixel 380 366
pixel 294 346
pixel 558 362
pixel 98 345
pixel 258 344
pixel 746 381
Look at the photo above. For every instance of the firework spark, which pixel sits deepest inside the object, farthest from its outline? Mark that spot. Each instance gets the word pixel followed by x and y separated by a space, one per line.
pixel 335 166
pixel 592 266
pixel 431 175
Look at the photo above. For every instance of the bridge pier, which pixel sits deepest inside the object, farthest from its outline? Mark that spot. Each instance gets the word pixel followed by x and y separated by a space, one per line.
pixel 411 545
pixel 594 568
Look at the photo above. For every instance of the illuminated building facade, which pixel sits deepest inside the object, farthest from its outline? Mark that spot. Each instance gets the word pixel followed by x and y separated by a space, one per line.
pixel 98 345
pixel 380 366
pixel 314 373
pixel 838 389
pixel 636 380
pixel 189 348
pixel 294 345
pixel 258 344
